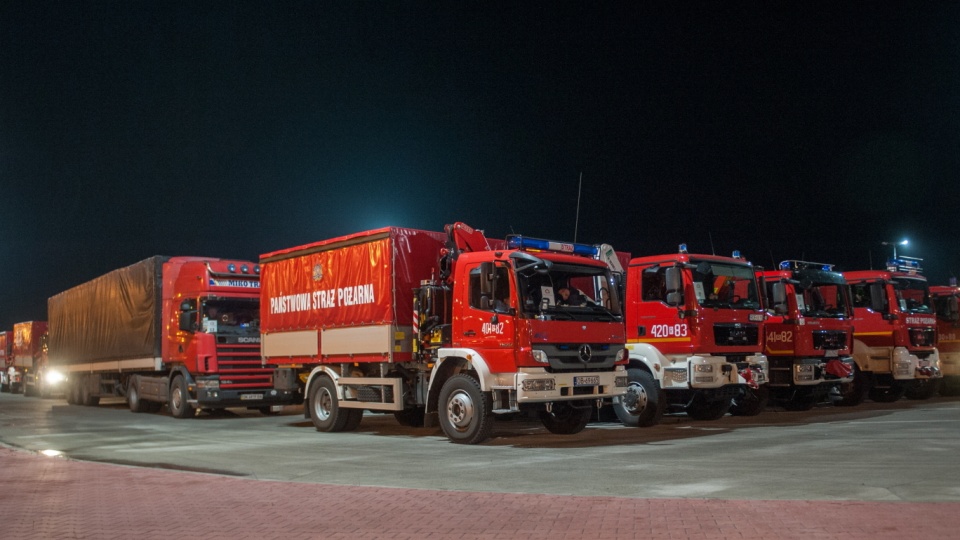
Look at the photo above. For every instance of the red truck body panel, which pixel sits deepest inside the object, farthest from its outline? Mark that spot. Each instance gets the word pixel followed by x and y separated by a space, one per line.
pixel 27 345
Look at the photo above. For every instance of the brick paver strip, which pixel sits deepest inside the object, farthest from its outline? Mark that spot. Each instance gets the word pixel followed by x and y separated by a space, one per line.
pixel 45 498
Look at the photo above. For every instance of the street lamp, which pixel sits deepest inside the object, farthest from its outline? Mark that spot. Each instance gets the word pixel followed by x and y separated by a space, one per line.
pixel 895 244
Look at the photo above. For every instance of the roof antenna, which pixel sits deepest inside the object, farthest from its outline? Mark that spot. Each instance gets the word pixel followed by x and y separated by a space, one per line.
pixel 576 223
pixel 712 251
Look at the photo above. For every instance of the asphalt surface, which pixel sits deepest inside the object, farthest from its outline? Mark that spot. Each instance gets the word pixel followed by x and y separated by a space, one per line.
pixel 877 471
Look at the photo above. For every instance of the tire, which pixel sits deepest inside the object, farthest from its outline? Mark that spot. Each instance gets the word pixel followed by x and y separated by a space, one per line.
pixel 752 402
pixel 29 391
pixel 410 417
pixel 73 393
pixel 179 399
pixel 465 416
pixel 565 419
pixel 325 410
pixel 950 386
pixel 701 409
pixel 86 398
pixel 922 389
pixel 354 417
pixel 888 394
pixel 133 398
pixel 643 404
pixel 852 393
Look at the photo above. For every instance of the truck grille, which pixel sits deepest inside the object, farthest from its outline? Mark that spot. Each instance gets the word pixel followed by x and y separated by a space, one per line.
pixel 735 334
pixel 829 339
pixel 923 337
pixel 580 356
pixel 240 367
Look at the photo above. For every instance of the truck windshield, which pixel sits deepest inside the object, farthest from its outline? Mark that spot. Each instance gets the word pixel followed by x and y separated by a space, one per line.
pixel 231 316
pixel 570 292
pixel 822 300
pixel 725 286
pixel 913 295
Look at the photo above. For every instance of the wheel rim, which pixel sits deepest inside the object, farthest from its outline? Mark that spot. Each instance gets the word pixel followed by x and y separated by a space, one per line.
pixel 323 404
pixel 176 398
pixel 460 410
pixel 635 398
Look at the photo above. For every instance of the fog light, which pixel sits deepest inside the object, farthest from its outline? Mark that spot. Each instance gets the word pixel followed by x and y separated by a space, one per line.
pixel 678 375
pixel 703 368
pixel 540 356
pixel 621 382
pixel 209 384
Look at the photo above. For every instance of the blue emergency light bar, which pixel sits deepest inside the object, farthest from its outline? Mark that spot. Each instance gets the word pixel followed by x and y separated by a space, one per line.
pixel 911 265
pixel 805 265
pixel 516 241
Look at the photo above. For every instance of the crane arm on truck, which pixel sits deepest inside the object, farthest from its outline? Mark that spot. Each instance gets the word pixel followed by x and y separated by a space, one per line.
pixel 461 238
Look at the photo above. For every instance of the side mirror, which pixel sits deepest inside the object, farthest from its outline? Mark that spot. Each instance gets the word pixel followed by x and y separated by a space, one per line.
pixel 188 321
pixel 674 283
pixel 779 290
pixel 878 297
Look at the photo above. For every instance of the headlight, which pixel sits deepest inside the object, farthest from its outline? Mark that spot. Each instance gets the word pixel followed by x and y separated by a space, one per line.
pixel 621 355
pixel 703 368
pixel 209 384
pixel 539 385
pixel 540 356
pixel 54 377
pixel 804 368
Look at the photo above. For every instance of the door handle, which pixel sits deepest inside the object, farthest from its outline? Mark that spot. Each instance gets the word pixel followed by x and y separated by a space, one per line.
pixel 469 333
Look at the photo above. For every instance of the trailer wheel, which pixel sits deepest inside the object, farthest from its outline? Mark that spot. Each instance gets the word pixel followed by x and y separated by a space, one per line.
pixel 86 397
pixel 888 394
pixel 923 389
pixel 179 405
pixel 133 398
pixel 752 402
pixel 465 415
pixel 565 419
pixel 643 403
pixel 701 409
pixel 326 413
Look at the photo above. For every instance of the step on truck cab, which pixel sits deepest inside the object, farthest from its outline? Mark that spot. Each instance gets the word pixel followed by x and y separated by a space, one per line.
pixel 895 334
pixel 945 299
pixel 694 338
pixel 177 331
pixel 444 327
pixel 808 332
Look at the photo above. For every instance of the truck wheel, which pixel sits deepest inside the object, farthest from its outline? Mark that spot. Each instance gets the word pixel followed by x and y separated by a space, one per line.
pixel 923 389
pixel 133 399
pixel 565 419
pixel 354 417
pixel 179 405
pixel 325 410
pixel 888 394
pixel 752 402
pixel 701 409
pixel 643 403
pixel 465 416
pixel 72 393
pixel 86 398
pixel 852 393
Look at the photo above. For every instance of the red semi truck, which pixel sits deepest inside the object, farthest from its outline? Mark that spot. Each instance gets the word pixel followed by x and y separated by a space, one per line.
pixel 444 326
pixel 694 338
pixel 6 361
pixel 809 332
pixel 895 334
pixel 28 351
pixel 946 300
pixel 177 330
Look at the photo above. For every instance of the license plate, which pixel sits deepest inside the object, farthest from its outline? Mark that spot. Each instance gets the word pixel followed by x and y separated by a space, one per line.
pixel 245 397
pixel 591 380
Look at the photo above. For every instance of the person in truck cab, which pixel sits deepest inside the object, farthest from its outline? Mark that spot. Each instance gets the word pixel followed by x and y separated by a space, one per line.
pixel 570 296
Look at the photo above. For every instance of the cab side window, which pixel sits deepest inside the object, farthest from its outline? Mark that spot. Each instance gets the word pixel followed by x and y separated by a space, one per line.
pixel 501 288
pixel 861 295
pixel 653 286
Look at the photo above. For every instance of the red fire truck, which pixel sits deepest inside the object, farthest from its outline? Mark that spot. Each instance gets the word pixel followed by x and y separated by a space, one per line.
pixel 895 334
pixel 177 330
pixel 6 361
pixel 444 326
pixel 945 299
pixel 28 351
pixel 809 332
pixel 694 338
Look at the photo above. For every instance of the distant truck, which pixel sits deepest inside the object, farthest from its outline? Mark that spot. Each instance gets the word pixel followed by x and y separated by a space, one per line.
pixel 6 361
pixel 39 379
pixel 895 334
pixel 181 331
pixel 695 339
pixel 809 332
pixel 29 352
pixel 945 300
pixel 446 327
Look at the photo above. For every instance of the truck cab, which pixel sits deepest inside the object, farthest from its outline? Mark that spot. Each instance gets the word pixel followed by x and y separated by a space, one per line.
pixel 694 338
pixel 895 334
pixel 945 299
pixel 809 332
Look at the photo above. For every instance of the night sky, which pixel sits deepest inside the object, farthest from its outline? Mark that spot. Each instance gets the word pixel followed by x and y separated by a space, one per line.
pixel 231 129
